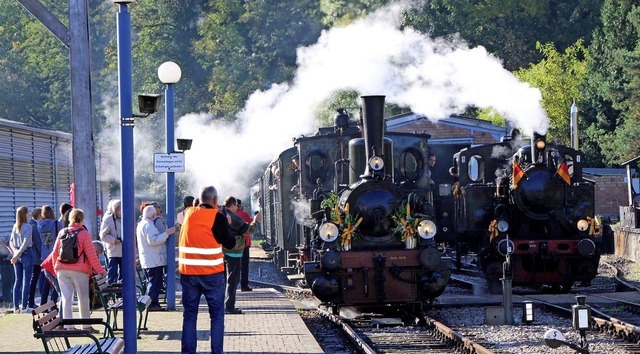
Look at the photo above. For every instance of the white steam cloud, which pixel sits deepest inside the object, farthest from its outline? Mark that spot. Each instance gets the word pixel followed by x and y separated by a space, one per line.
pixel 372 56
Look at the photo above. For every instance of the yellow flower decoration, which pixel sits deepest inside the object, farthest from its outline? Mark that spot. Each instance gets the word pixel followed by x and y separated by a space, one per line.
pixel 347 223
pixel 406 220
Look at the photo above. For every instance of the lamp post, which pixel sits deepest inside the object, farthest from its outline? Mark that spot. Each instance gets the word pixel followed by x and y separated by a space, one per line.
pixel 125 89
pixel 169 73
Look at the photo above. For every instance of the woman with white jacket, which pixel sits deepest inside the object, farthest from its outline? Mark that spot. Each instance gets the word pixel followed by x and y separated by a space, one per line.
pixel 152 250
pixel 110 233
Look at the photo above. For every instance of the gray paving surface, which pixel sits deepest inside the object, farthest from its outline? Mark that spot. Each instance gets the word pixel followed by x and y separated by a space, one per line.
pixel 269 324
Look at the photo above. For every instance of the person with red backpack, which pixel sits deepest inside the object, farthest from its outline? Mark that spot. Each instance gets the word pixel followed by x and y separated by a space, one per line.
pixel 74 266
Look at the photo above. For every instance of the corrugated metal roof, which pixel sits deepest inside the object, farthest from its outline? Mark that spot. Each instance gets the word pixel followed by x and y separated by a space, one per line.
pixel 22 126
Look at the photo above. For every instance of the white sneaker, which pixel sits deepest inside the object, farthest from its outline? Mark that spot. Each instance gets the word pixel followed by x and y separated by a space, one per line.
pixel 16 310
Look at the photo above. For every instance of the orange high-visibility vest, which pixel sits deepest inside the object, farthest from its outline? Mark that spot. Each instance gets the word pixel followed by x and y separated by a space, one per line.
pixel 199 251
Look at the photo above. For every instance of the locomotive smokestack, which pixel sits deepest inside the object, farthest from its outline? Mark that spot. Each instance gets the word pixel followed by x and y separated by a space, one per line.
pixel 373 126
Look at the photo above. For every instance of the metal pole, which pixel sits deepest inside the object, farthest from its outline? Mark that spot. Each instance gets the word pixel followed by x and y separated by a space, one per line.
pixel 507 289
pixel 125 88
pixel 574 125
pixel 171 205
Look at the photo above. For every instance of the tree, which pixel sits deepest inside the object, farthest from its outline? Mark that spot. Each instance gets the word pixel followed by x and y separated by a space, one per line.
pixel 36 87
pixel 558 76
pixel 248 45
pixel 608 85
pixel 511 28
pixel 342 12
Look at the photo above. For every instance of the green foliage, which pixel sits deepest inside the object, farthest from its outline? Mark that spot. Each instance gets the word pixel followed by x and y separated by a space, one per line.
pixel 327 110
pixel 342 12
pixel 610 83
pixel 558 76
pixel 35 69
pixel 249 45
pixel 623 143
pixel 491 115
pixel 508 28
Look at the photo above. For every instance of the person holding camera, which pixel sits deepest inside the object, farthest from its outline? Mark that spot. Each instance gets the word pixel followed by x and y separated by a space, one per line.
pixel 110 234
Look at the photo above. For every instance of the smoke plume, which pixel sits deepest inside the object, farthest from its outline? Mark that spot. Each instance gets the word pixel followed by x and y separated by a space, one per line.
pixel 433 77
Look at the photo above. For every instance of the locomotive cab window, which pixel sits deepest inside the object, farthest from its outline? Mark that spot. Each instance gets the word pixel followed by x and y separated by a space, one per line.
pixel 474 170
pixel 411 164
pixel 316 165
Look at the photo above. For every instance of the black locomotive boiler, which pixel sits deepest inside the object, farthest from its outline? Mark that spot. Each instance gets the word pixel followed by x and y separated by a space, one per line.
pixel 351 210
pixel 527 210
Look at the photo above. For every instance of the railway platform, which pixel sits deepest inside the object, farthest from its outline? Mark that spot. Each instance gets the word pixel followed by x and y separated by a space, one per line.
pixel 269 324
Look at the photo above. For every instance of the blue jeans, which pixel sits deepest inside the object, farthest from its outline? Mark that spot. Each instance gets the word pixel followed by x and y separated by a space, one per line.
pixel 50 279
pixel 23 269
pixel 115 270
pixel 193 287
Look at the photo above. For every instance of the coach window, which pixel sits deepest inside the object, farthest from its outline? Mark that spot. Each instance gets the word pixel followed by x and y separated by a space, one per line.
pixel 316 165
pixel 473 169
pixel 411 164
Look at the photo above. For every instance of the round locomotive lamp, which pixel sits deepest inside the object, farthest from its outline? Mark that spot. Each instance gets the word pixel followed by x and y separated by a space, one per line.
pixel 376 163
pixel 503 225
pixel 328 232
pixel 583 225
pixel 540 144
pixel 427 229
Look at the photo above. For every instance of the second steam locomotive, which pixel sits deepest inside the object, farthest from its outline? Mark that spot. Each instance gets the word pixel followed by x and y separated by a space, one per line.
pixel 527 210
pixel 352 210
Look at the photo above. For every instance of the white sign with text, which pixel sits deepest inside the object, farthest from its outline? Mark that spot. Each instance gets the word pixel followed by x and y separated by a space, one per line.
pixel 168 162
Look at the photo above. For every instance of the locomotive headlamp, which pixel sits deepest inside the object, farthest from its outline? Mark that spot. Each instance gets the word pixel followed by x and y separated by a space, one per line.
pixel 503 225
pixel 539 141
pixel 583 225
pixel 427 229
pixel 328 232
pixel 376 163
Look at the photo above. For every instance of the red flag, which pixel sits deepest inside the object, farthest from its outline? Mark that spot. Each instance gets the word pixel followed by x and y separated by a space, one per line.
pixel 517 174
pixel 563 171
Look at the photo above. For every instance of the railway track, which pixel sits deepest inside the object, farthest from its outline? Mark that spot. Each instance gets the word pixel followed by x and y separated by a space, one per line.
pixel 383 335
pixel 379 335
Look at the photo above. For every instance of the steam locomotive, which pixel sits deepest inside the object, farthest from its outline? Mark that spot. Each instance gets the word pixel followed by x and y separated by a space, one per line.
pixel 527 210
pixel 350 210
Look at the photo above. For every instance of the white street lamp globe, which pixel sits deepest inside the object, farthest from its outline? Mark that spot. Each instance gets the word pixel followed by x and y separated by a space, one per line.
pixel 169 72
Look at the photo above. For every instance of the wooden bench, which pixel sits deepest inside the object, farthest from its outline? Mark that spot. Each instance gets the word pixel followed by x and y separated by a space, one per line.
pixel 111 298
pixel 50 328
